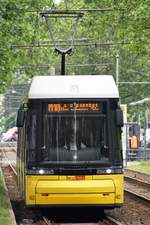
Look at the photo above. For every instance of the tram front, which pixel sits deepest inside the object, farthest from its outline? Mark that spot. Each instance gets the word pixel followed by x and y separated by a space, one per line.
pixel 73 143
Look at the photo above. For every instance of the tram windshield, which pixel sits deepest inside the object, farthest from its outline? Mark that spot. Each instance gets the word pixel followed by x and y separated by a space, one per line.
pixel 69 133
pixel 73 136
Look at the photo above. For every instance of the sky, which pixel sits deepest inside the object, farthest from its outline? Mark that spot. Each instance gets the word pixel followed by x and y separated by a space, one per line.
pixel 57 1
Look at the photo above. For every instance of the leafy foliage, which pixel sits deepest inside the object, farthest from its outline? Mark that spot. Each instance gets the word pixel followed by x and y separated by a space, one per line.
pixel 128 23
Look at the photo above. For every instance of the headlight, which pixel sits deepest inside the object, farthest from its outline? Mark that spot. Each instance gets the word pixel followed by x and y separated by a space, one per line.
pixel 108 171
pixel 41 171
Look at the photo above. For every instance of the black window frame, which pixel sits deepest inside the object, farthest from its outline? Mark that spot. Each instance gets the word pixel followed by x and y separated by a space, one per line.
pixel 38 104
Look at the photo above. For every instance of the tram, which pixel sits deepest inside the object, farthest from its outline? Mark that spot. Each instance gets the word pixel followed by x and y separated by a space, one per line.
pixel 69 142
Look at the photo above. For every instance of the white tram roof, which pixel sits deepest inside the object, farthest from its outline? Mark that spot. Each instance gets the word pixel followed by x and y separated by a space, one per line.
pixel 77 86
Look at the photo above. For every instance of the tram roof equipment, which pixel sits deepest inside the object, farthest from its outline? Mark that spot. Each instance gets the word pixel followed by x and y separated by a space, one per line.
pixel 75 86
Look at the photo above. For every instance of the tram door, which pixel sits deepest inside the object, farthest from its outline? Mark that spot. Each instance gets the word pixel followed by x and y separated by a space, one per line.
pixel 21 161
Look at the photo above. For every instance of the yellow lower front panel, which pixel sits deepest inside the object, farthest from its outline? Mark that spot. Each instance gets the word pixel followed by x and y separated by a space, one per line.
pixel 58 190
pixel 58 199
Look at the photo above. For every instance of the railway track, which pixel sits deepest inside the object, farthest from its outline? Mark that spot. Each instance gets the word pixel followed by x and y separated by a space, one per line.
pixel 43 220
pixel 8 153
pixel 7 161
pixel 108 220
pixel 137 186
pixel 138 175
pixel 137 181
pixel 133 181
pixel 135 195
pixel 8 146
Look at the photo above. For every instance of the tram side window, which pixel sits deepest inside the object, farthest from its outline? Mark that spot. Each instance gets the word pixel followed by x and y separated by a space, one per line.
pixel 49 133
pixel 32 133
pixel 116 135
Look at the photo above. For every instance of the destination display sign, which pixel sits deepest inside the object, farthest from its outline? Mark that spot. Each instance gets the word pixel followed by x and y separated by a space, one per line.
pixel 69 107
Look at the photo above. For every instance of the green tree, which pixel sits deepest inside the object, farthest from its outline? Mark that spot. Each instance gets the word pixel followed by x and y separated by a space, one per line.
pixel 127 22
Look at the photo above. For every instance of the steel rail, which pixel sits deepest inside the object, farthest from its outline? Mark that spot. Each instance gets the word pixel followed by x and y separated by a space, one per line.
pixel 8 149
pixel 136 180
pixel 9 163
pixel 137 174
pixel 107 219
pixel 139 182
pixel 46 221
pixel 113 220
pixel 141 197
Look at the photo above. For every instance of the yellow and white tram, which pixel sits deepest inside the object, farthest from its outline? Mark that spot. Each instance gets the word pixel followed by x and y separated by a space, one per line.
pixel 69 142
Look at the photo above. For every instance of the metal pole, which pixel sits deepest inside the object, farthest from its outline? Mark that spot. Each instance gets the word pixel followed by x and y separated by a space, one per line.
pixel 63 56
pixel 138 116
pixel 145 123
pixel 127 149
pixel 63 64
pixel 117 70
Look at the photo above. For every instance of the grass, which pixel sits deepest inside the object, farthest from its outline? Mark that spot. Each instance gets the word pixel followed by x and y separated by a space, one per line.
pixel 4 207
pixel 143 166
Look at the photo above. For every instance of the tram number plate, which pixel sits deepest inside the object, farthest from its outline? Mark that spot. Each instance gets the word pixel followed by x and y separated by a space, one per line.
pixel 75 177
